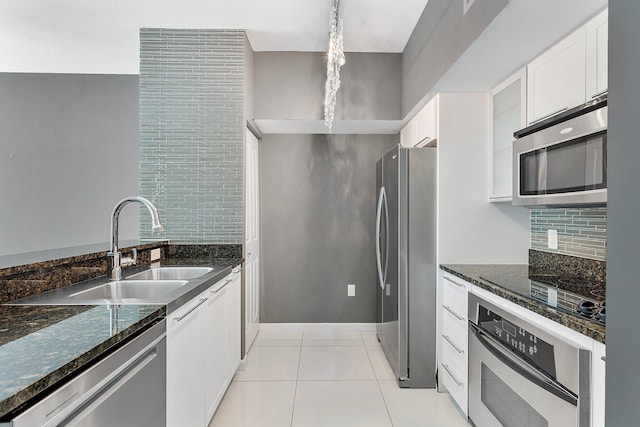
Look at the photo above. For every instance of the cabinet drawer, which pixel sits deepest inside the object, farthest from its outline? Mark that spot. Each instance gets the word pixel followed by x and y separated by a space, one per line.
pixel 454 353
pixel 454 384
pixel 454 321
pixel 455 294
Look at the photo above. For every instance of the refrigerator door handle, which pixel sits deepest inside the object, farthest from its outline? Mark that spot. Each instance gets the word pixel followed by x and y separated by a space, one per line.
pixel 381 200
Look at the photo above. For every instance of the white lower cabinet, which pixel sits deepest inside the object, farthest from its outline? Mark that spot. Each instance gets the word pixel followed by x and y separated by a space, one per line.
pixel 453 338
pixel 214 343
pixel 598 389
pixel 185 398
pixel 203 352
pixel 234 323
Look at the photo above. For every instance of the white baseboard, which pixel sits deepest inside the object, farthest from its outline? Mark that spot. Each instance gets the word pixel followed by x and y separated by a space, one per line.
pixel 318 327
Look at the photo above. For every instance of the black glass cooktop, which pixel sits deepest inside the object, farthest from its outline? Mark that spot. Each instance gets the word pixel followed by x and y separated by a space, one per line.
pixel 579 299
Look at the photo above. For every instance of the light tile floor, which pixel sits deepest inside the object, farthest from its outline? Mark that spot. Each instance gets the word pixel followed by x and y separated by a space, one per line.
pixel 322 379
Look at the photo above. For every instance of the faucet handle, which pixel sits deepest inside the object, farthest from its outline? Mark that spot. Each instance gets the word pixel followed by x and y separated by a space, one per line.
pixel 132 260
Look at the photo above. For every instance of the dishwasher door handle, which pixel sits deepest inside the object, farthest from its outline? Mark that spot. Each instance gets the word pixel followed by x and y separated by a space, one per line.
pixel 202 301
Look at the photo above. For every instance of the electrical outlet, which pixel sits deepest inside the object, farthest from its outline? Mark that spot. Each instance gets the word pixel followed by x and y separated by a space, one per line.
pixel 552 239
pixel 155 255
pixel 351 290
pixel 552 297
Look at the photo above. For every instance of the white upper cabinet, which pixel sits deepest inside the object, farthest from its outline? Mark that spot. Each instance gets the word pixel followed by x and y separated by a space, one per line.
pixel 422 129
pixel 408 134
pixel 556 80
pixel 426 128
pixel 597 33
pixel 509 115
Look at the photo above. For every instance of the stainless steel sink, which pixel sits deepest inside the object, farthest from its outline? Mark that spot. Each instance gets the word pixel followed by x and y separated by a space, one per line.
pixel 129 289
pixel 171 273
pixel 163 285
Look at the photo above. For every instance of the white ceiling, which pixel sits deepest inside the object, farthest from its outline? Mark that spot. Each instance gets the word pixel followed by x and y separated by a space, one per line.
pixel 272 25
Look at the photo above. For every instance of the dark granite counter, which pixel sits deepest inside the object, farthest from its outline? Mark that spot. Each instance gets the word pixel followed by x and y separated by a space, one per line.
pixel 41 345
pixel 473 273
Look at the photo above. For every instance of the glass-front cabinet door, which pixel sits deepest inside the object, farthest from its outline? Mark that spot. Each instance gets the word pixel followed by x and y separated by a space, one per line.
pixel 509 115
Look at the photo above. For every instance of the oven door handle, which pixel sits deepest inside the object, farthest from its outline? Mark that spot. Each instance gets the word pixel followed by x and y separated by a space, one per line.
pixel 497 349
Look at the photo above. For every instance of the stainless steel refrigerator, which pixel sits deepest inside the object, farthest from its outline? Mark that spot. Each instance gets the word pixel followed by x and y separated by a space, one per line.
pixel 406 263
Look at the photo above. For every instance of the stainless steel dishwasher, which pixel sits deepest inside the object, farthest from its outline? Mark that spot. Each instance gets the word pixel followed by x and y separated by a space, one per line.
pixel 127 388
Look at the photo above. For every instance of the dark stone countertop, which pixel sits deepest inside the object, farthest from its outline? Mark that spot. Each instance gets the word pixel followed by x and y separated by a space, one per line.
pixel 472 272
pixel 43 344
pixel 40 345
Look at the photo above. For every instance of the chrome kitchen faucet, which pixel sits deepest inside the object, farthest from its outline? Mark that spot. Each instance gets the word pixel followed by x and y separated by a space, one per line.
pixel 114 260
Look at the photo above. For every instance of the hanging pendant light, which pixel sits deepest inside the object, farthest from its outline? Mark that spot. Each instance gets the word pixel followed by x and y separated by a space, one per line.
pixel 335 60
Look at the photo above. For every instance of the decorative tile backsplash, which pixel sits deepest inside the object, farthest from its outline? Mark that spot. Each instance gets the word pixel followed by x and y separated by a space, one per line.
pixel 582 232
pixel 191 133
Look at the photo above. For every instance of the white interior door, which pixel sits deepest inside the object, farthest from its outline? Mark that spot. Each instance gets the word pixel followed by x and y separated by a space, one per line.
pixel 252 242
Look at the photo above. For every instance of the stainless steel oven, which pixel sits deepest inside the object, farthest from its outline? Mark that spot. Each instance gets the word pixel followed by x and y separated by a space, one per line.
pixel 521 376
pixel 563 160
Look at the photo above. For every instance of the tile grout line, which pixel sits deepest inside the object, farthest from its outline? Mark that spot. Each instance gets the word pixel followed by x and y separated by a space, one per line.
pixel 378 384
pixel 295 393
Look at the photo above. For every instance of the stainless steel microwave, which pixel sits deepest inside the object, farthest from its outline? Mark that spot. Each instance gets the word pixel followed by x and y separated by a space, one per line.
pixel 563 162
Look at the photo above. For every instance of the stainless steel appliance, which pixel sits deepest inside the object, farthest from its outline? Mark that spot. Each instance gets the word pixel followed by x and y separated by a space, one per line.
pixel 562 161
pixel 127 388
pixel 519 375
pixel 406 261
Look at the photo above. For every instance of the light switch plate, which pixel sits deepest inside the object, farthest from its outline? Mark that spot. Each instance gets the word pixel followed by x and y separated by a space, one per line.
pixel 351 290
pixel 552 239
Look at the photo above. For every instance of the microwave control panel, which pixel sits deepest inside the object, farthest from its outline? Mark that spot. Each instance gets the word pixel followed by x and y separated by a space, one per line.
pixel 518 340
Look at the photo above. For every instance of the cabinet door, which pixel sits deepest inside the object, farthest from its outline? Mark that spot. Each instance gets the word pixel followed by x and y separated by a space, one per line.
pixel 214 340
pixel 233 324
pixel 509 115
pixel 597 34
pixel 556 79
pixel 426 125
pixel 599 368
pixel 252 242
pixel 185 400
pixel 452 336
pixel 408 134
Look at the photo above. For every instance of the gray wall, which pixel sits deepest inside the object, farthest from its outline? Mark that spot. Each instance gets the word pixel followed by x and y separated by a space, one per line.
pixel 192 120
pixel 290 85
pixel 623 292
pixel 317 206
pixel 441 35
pixel 68 154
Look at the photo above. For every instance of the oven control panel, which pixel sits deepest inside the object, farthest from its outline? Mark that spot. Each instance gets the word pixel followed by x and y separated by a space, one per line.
pixel 518 339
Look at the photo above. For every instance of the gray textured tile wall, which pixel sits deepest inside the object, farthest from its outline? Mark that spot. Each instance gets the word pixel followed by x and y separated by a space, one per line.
pixel 581 232
pixel 191 132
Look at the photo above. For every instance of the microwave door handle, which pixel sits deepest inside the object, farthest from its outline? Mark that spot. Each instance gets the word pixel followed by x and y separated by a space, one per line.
pixel 542 172
pixel 497 349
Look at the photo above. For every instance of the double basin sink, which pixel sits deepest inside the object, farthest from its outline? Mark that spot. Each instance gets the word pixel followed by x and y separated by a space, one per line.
pixel 144 285
pixel 155 285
